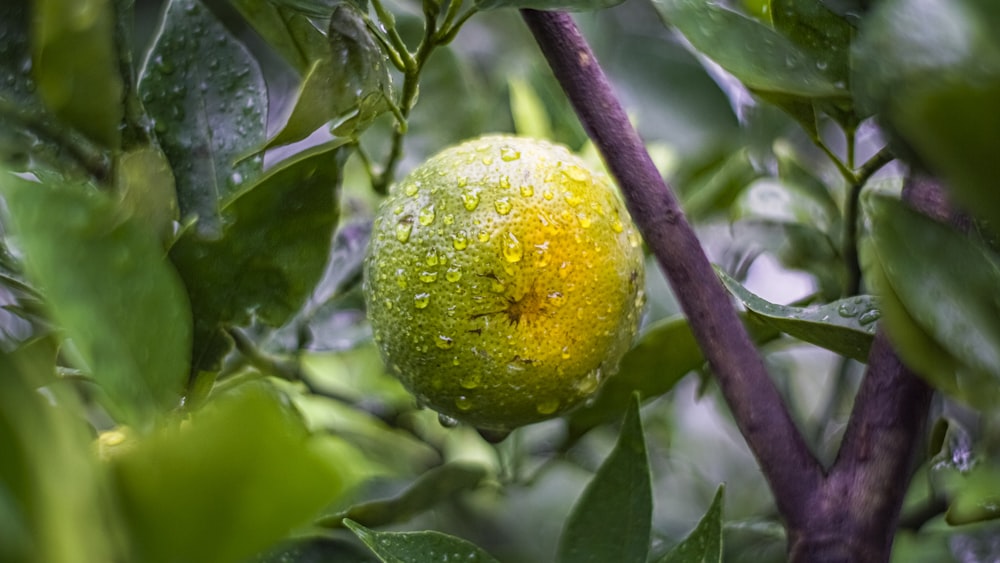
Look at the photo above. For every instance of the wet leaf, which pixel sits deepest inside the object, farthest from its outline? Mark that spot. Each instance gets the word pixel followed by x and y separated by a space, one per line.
pixel 350 85
pixel 611 520
pixel 287 30
pixel 846 327
pixel 75 66
pixel 757 55
pixel 271 253
pixel 433 487
pixel 207 98
pixel 818 31
pixel 107 286
pixel 243 462
pixel 947 283
pixel 770 199
pixel 418 547
pixel 704 543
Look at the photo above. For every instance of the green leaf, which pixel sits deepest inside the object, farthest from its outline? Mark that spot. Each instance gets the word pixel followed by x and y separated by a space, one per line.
pixel 418 547
pixel 611 520
pixel 430 489
pixel 846 327
pixel 350 85
pixel 109 288
pixel 565 5
pixel 230 481
pixel 75 65
pixel 948 284
pixel 145 183
pixel 53 496
pixel 770 199
pixel 819 32
pixel 288 31
pixel 528 110
pixel 704 543
pixel 665 353
pixel 757 55
pixel 946 56
pixel 977 500
pixel 713 190
pixel 207 98
pixel 271 254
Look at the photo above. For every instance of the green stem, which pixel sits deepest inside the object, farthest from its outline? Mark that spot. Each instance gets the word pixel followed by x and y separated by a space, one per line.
pixel 852 213
pixel 88 155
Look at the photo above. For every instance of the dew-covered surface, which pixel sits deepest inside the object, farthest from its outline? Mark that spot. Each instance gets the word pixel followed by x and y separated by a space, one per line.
pixel 503 293
pixel 208 101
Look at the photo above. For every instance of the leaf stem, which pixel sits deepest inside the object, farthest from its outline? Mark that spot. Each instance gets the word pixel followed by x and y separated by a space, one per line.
pixel 852 217
pixel 790 468
pixel 88 155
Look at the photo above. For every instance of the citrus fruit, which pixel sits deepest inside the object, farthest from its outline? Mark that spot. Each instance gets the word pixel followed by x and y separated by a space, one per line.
pixel 504 281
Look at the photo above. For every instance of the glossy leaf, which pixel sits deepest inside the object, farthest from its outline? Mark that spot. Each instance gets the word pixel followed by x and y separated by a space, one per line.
pixel 418 547
pixel 704 543
pixel 431 488
pixel 351 84
pixel 243 462
pixel 52 493
pixel 770 199
pixel 287 30
pixel 109 289
pixel 271 254
pixel 565 5
pixel 757 55
pixel 977 500
pixel 818 31
pixel 611 520
pixel 714 189
pixel 75 65
pixel 946 56
pixel 947 283
pixel 206 95
pixel 846 327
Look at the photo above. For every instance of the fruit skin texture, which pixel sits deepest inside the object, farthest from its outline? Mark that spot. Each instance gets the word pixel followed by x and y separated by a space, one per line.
pixel 504 281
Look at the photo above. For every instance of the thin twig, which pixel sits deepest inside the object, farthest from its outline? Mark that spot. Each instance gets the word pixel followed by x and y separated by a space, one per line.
pixel 790 468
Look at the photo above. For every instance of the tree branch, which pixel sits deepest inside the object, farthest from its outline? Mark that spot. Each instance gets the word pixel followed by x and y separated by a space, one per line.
pixel 790 468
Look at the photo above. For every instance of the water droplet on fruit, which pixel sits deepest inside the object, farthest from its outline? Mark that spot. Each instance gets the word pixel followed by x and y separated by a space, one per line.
pixel 428 277
pixel 589 384
pixel 487 160
pixel 463 403
pixel 556 298
pixel 421 300
pixel 547 195
pixel 411 189
pixel 527 190
pixel 397 210
pixel 508 154
pixel 502 205
pixel 470 199
pixel 617 226
pixel 449 219
pixel 512 248
pixel 505 182
pixel 453 275
pixel 427 215
pixel 483 236
pixel 432 258
pixel 403 229
pixel 583 219
pixel 547 407
pixel 447 421
pixel 565 353
pixel 575 173
pixel 443 342
pixel 460 240
pixel 388 303
pixel 401 278
pixel 470 380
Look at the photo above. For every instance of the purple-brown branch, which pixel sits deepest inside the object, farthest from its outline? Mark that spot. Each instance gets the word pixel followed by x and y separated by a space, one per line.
pixel 846 516
pixel 788 465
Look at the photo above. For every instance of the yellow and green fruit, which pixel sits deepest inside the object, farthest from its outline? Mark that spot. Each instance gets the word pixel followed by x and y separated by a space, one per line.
pixel 504 281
